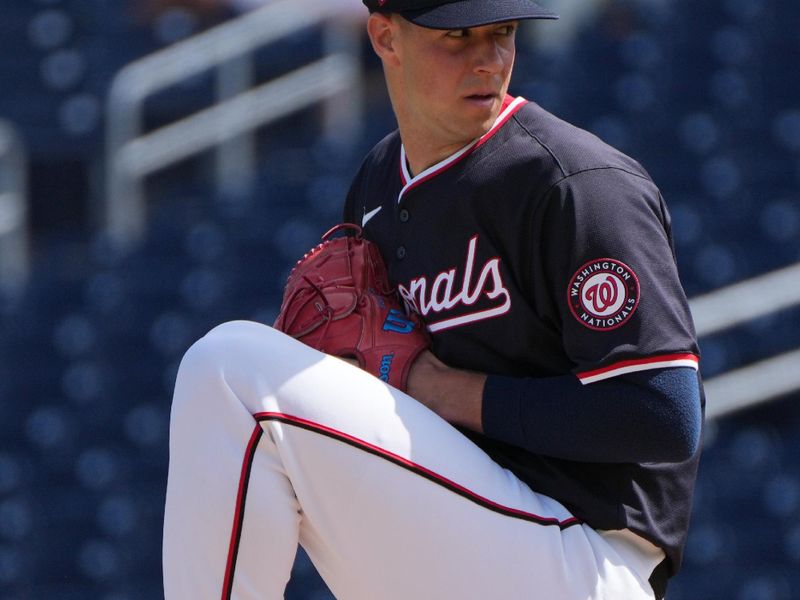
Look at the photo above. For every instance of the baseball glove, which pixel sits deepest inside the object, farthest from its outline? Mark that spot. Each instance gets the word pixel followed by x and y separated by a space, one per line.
pixel 338 300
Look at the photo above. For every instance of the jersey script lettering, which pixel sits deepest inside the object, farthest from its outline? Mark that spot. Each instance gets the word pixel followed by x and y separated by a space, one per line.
pixel 440 295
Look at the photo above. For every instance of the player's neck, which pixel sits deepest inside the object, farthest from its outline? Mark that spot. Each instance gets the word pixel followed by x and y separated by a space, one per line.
pixel 425 141
pixel 423 151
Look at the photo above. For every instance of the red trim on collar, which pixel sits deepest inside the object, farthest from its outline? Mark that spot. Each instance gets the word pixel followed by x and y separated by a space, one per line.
pixel 507 101
pixel 496 127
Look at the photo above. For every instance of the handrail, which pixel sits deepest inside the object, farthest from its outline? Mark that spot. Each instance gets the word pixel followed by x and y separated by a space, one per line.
pixel 213 126
pixel 218 47
pixel 14 236
pixel 751 385
pixel 734 305
pixel 746 300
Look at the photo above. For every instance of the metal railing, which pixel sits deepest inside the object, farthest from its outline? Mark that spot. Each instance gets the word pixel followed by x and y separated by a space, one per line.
pixel 747 300
pixel 14 235
pixel 131 156
pixel 754 384
pixel 737 304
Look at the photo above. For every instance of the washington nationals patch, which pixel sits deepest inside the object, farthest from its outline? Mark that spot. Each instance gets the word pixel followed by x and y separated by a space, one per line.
pixel 603 294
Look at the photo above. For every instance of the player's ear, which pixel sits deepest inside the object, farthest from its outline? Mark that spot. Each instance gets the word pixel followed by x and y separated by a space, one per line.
pixel 382 31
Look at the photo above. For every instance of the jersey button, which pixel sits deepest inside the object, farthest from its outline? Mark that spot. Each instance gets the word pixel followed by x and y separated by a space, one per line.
pixel 401 252
pixel 404 215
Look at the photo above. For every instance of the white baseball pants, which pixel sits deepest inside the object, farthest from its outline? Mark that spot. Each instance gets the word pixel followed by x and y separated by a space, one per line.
pixel 273 444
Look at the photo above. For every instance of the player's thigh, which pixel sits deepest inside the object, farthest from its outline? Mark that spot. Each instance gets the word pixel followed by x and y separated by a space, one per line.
pixel 288 386
pixel 396 503
pixel 377 529
pixel 379 525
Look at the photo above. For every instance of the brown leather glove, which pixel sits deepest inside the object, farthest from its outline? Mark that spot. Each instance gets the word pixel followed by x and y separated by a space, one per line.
pixel 338 300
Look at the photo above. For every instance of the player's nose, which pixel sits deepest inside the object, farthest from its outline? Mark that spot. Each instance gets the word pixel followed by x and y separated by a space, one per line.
pixel 490 53
pixel 489 56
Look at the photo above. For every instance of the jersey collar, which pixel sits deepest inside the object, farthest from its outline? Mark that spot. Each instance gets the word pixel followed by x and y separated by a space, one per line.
pixel 510 106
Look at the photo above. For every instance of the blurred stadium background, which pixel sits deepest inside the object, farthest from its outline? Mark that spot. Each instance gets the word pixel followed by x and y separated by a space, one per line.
pixel 164 162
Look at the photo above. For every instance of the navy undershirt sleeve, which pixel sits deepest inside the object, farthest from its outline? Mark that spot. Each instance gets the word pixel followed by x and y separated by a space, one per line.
pixel 649 416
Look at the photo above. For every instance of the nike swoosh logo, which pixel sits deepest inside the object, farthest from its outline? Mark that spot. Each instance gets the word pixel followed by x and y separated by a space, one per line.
pixel 369 215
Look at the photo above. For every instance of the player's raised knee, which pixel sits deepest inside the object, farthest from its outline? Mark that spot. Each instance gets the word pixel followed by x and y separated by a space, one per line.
pixel 237 334
pixel 210 352
pixel 235 347
pixel 231 331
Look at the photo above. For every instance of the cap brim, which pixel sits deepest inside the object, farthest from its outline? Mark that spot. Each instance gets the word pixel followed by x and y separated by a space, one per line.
pixel 474 13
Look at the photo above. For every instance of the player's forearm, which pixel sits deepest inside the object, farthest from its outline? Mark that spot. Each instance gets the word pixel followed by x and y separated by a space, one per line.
pixel 454 394
pixel 653 416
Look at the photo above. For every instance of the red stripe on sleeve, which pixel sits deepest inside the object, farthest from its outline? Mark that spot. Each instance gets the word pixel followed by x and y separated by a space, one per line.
pixel 639 362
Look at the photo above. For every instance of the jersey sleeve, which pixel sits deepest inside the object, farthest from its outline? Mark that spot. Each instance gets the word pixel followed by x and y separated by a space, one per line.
pixel 608 259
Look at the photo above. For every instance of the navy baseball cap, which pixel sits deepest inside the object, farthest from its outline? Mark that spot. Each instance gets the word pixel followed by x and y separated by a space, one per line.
pixel 460 14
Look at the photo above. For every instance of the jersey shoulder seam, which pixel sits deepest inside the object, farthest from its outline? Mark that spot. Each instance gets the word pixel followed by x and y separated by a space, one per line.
pixel 605 168
pixel 564 174
pixel 541 143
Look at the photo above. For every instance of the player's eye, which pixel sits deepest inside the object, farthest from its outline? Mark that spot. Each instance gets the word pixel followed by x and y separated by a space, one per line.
pixel 507 30
pixel 457 33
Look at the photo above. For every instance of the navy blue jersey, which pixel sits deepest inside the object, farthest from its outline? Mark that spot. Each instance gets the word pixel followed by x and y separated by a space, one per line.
pixel 538 251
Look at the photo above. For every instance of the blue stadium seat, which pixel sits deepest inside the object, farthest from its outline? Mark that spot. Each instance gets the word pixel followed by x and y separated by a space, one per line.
pixel 50 28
